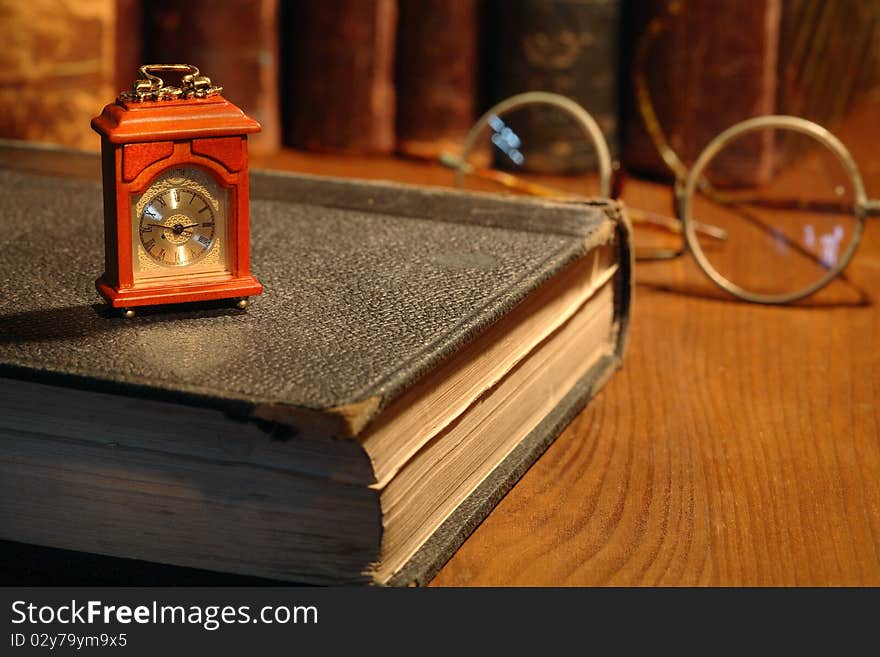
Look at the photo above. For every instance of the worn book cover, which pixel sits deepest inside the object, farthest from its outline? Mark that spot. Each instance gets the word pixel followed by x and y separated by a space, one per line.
pixel 408 340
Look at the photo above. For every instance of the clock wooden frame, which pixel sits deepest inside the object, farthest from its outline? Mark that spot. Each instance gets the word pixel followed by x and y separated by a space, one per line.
pixel 140 140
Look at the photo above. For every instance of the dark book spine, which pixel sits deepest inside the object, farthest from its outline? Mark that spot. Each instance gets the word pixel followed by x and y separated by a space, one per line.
pixel 234 43
pixel 338 74
pixel 435 75
pixel 706 67
pixel 569 47
pixel 61 62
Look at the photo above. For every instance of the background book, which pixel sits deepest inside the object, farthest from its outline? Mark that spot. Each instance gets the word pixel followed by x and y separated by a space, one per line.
pixel 436 75
pixel 569 47
pixel 234 43
pixel 414 352
pixel 60 61
pixel 829 57
pixel 379 76
pixel 702 77
pixel 338 74
pixel 803 57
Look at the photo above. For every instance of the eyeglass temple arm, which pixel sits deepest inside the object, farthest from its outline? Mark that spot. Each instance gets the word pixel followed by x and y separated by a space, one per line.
pixel 872 207
pixel 502 178
pixel 673 225
pixel 645 217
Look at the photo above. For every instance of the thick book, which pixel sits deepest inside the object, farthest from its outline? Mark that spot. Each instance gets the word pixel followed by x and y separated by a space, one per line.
pixel 414 351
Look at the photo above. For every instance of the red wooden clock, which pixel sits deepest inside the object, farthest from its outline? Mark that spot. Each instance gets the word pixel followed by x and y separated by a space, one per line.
pixel 176 209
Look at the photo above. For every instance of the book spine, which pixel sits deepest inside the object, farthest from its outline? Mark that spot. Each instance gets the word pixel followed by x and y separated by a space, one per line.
pixel 236 45
pixel 435 75
pixel 56 71
pixel 814 85
pixel 338 73
pixel 569 47
pixel 702 77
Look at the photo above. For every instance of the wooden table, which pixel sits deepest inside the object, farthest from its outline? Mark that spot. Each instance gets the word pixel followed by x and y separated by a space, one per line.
pixel 739 444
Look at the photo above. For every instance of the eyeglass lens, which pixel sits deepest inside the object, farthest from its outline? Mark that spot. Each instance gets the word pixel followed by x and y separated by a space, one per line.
pixel 787 205
pixel 536 149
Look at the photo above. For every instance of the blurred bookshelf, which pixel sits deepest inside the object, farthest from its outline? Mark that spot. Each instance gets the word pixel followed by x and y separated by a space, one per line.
pixel 395 78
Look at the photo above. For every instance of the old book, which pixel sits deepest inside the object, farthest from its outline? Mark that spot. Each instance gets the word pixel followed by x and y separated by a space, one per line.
pixel 414 351
pixel 61 60
pixel 702 77
pixel 436 75
pixel 235 43
pixel 569 47
pixel 811 83
pixel 338 73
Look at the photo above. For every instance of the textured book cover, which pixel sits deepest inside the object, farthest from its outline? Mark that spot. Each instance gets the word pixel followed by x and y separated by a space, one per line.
pixel 369 288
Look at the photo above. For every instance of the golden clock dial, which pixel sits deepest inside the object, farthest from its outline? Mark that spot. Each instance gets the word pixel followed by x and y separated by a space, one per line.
pixel 177 226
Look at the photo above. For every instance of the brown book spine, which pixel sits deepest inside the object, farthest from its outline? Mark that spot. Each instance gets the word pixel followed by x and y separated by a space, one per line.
pixel 710 66
pixel 569 47
pixel 436 75
pixel 235 43
pixel 60 63
pixel 339 67
pixel 813 84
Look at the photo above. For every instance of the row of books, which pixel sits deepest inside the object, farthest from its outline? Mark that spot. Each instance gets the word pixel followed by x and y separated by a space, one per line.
pixel 384 76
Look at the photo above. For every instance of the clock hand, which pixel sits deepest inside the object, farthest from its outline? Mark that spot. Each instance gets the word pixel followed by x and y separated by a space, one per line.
pixel 182 228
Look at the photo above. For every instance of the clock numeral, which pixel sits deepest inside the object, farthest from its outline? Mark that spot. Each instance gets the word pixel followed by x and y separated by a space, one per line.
pixel 204 208
pixel 150 213
pixel 161 201
pixel 192 197
pixel 149 245
pixel 203 240
pixel 162 254
pixel 209 224
pixel 175 195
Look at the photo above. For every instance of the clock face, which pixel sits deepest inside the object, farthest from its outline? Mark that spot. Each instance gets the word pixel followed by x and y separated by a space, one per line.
pixel 179 225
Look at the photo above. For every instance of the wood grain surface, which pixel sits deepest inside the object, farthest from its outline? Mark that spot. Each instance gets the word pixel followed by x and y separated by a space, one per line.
pixel 739 444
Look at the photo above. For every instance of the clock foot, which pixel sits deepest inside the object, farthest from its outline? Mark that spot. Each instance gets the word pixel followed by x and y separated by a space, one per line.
pixel 128 313
pixel 242 303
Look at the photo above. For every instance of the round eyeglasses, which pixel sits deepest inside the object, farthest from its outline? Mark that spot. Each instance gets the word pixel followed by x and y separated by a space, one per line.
pixel 772 209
